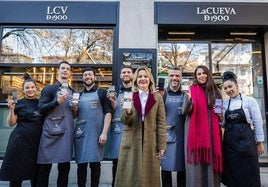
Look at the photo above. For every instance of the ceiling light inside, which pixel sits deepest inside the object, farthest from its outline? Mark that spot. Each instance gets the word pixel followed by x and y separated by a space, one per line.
pixel 181 33
pixel 178 39
pixel 244 33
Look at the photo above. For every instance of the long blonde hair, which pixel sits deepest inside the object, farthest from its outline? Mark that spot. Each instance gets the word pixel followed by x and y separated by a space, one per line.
pixel 135 87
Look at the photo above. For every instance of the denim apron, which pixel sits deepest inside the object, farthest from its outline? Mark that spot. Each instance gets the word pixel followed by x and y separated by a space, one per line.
pixel 88 128
pixel 240 159
pixel 56 143
pixel 116 130
pixel 175 134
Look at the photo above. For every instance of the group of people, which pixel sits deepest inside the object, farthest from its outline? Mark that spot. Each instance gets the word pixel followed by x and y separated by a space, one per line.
pixel 175 130
pixel 45 132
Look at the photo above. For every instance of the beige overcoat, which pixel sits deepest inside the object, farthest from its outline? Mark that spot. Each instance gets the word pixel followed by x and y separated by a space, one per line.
pixel 138 165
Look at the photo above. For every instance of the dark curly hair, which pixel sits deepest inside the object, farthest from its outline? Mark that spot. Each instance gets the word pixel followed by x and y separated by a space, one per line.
pixel 27 78
pixel 229 75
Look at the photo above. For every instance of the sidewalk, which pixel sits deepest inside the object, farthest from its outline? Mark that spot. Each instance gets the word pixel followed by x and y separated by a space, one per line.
pixel 264 176
pixel 106 176
pixel 105 179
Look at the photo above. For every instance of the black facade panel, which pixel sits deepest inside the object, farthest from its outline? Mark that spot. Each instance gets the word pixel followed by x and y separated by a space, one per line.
pixel 211 13
pixel 48 12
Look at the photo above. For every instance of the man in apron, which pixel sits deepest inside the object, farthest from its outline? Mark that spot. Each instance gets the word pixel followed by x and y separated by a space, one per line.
pixel 117 127
pixel 57 135
pixel 174 161
pixel 90 135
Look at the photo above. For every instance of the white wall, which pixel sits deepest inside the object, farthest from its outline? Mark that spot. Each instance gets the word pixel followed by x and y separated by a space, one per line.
pixel 266 52
pixel 136 24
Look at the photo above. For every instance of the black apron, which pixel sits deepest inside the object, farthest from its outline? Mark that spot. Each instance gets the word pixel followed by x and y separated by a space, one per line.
pixel 21 154
pixel 240 159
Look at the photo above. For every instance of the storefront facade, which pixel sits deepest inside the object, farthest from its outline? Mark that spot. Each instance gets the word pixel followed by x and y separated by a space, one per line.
pixel 222 36
pixel 36 35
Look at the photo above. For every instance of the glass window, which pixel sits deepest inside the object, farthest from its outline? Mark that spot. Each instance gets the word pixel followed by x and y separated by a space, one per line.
pixel 244 59
pixel 49 46
pixel 185 55
pixel 43 48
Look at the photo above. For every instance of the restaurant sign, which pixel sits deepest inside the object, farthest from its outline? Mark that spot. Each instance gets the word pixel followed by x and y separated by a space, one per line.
pixel 216 14
pixel 187 13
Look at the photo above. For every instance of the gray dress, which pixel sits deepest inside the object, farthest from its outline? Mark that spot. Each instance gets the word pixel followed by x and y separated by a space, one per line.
pixel 199 175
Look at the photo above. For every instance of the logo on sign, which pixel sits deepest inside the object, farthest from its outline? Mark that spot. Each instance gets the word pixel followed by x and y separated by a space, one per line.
pixel 56 13
pixel 216 14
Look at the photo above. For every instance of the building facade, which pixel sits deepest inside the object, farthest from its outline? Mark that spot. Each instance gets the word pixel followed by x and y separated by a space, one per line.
pixel 223 35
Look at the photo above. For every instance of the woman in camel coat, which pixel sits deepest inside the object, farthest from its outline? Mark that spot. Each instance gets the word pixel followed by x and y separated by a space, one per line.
pixel 144 138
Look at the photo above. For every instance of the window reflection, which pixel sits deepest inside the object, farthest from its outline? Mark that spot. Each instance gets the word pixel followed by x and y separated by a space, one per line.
pixel 50 46
pixel 244 59
pixel 185 55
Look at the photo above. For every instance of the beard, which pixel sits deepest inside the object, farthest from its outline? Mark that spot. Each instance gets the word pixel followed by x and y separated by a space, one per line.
pixel 89 84
pixel 174 84
pixel 127 81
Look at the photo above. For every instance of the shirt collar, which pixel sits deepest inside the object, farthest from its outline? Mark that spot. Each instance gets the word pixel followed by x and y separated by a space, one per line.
pixel 169 90
pixel 94 88
pixel 143 93
pixel 124 89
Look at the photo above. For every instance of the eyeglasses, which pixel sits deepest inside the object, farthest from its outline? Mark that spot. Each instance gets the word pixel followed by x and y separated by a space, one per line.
pixel 159 156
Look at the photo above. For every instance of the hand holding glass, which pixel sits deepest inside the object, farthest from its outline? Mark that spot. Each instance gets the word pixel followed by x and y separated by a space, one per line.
pixel 218 106
pixel 127 100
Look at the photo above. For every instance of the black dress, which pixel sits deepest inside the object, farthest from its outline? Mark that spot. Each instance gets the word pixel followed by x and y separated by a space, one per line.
pixel 240 159
pixel 20 159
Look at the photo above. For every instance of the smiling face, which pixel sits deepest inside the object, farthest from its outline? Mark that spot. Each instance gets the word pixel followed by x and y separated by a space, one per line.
pixel 143 80
pixel 230 88
pixel 29 90
pixel 174 78
pixel 89 78
pixel 126 75
pixel 201 76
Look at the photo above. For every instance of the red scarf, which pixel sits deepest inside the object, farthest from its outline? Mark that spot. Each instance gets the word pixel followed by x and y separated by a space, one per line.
pixel 198 145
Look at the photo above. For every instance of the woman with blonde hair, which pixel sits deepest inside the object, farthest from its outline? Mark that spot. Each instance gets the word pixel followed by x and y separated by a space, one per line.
pixel 144 137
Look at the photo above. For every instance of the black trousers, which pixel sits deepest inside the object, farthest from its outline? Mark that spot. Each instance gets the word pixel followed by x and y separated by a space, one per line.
pixel 167 178
pixel 115 161
pixel 44 171
pixel 82 174
pixel 19 183
pixel 15 183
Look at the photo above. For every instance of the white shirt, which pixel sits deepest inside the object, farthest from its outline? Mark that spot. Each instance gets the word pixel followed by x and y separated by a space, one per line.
pixel 252 112
pixel 143 97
